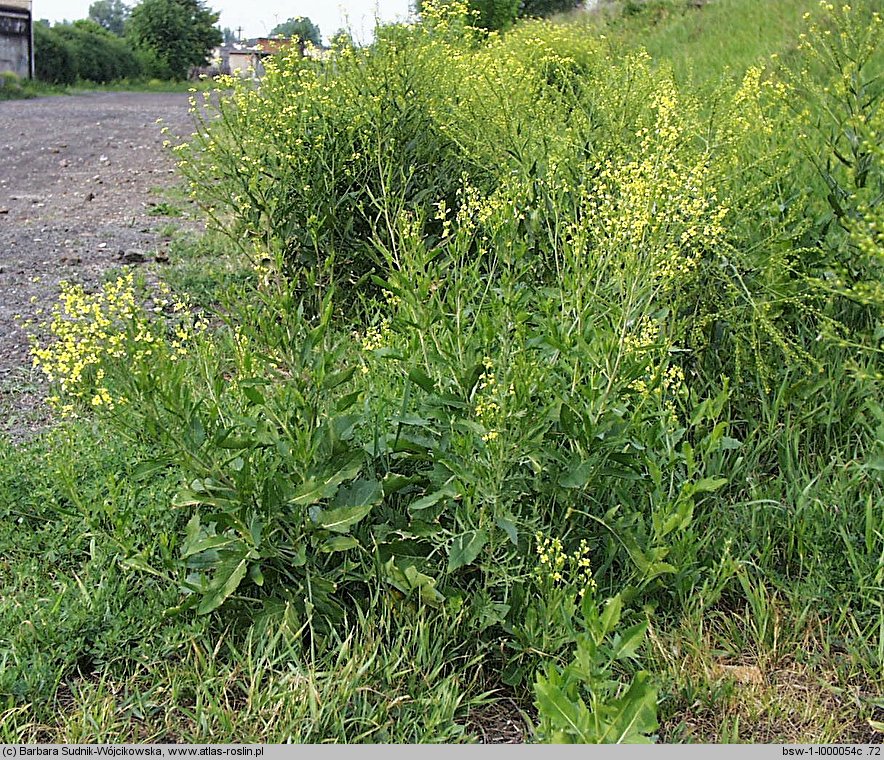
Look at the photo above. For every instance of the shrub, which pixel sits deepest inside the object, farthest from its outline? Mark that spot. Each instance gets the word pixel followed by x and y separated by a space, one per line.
pixel 54 58
pixel 99 55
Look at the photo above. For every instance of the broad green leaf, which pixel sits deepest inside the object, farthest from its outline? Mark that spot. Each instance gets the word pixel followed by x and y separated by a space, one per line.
pixel 432 499
pixel 359 493
pixel 338 378
pixel 253 395
pixel 342 519
pixel 577 476
pixel 465 548
pixel 187 498
pixel 508 527
pixel 708 485
pixel 227 578
pixel 611 616
pixel 339 544
pixel 206 543
pixel 419 377
pixel 256 575
pixel 148 469
pixel 554 706
pixel 626 644
pixel 633 717
pixel 192 530
pixel 393 483
pixel 316 489
pixel 411 579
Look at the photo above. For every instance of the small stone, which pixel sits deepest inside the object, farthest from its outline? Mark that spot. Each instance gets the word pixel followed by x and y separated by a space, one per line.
pixel 90 197
pixel 132 256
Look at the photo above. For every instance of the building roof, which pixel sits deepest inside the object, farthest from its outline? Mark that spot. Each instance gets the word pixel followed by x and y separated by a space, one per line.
pixel 19 5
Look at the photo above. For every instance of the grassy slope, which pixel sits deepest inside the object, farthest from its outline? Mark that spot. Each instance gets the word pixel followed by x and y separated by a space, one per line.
pixel 703 44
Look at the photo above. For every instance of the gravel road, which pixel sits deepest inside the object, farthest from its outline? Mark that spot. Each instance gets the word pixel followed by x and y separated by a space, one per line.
pixel 78 177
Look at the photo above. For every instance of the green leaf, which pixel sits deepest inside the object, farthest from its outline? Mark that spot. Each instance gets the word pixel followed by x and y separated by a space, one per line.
pixel 611 616
pixel 633 717
pixel 338 378
pixel 508 527
pixel 186 498
pixel 626 644
pixel 419 377
pixel 228 576
pixel 465 548
pixel 393 482
pixel 555 707
pixel 253 395
pixel 316 489
pixel 206 543
pixel 708 485
pixel 411 579
pixel 148 469
pixel 359 493
pixel 342 519
pixel 256 575
pixel 577 476
pixel 432 499
pixel 339 544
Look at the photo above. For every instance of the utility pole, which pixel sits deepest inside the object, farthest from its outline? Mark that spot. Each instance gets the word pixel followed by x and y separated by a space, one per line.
pixel 239 34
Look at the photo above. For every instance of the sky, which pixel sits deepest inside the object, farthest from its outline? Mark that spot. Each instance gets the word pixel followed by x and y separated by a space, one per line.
pixel 258 17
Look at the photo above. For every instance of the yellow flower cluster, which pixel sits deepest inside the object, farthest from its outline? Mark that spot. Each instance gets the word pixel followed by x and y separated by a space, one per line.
pixel 487 409
pixel 561 569
pixel 90 332
pixel 644 335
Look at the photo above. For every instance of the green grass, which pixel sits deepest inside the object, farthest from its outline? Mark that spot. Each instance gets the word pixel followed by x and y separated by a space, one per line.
pixel 704 44
pixel 24 89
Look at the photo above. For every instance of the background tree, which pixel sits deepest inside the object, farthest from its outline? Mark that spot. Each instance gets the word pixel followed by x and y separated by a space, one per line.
pixel 99 55
pixel 229 36
pixel 301 27
pixel 543 8
pixel 53 57
pixel 110 14
pixel 501 14
pixel 490 14
pixel 178 34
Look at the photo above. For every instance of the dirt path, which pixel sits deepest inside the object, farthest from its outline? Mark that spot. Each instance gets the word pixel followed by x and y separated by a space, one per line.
pixel 78 177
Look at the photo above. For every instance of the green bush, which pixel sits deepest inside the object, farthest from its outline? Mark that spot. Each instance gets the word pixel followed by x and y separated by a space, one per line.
pixel 54 58
pixel 99 55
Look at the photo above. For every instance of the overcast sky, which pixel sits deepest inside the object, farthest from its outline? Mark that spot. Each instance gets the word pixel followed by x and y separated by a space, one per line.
pixel 258 17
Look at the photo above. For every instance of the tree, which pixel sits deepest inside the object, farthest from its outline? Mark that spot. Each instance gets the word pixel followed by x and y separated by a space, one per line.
pixel 229 36
pixel 178 34
pixel 53 57
pixel 301 27
pixel 545 8
pixel 490 14
pixel 99 55
pixel 110 14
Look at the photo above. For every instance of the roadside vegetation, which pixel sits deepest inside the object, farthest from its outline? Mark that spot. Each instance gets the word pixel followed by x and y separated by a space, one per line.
pixel 527 386
pixel 155 41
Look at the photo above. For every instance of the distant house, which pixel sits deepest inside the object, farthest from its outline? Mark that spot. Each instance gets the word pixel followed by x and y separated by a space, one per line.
pixel 17 38
pixel 246 58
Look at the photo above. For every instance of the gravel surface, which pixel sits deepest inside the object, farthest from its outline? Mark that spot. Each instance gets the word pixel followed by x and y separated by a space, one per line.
pixel 78 178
